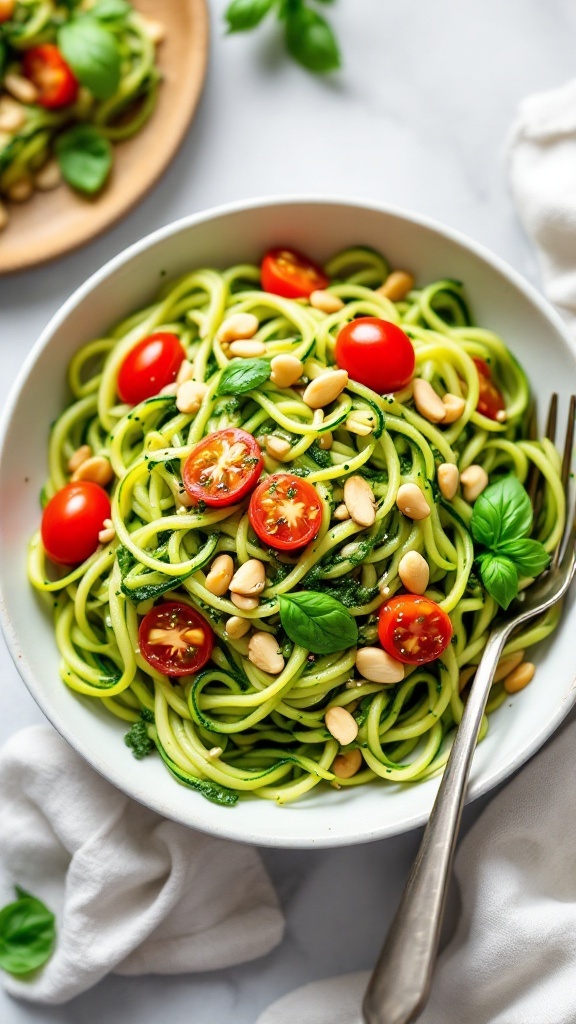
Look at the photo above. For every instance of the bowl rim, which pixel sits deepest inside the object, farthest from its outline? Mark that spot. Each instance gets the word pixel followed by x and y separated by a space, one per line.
pixel 110 772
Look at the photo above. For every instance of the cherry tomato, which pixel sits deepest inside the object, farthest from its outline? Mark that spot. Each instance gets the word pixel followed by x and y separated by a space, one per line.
pixel 223 467
pixel 149 366
pixel 45 66
pixel 72 521
pixel 376 353
pixel 413 629
pixel 290 274
pixel 285 511
pixel 175 639
pixel 490 399
pixel 7 8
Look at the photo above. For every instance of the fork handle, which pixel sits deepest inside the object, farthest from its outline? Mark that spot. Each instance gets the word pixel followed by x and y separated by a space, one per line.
pixel 400 985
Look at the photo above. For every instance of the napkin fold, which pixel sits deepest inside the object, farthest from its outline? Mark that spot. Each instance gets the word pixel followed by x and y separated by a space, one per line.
pixel 133 893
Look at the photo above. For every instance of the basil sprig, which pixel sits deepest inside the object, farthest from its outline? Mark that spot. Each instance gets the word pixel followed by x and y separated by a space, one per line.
pixel 85 158
pixel 501 520
pixel 93 53
pixel 243 375
pixel 317 622
pixel 308 37
pixel 27 934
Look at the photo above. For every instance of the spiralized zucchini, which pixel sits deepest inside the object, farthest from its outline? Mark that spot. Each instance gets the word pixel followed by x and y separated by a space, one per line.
pixel 232 728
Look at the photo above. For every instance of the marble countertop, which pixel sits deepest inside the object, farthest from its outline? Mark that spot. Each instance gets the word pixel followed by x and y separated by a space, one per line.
pixel 418 117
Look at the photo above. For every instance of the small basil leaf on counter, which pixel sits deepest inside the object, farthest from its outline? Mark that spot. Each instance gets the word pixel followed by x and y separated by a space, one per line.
pixel 311 41
pixel 245 14
pixel 500 577
pixel 92 52
pixel 317 622
pixel 502 513
pixel 529 556
pixel 243 375
pixel 27 934
pixel 85 158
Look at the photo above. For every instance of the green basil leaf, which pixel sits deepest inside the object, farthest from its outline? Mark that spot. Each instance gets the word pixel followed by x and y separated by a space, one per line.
pixel 502 513
pixel 92 52
pixel 311 41
pixel 243 375
pixel 85 158
pixel 529 556
pixel 317 622
pixel 242 15
pixel 27 934
pixel 111 10
pixel 500 577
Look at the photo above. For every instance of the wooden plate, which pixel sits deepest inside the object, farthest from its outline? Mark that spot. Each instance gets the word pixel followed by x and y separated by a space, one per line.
pixel 52 223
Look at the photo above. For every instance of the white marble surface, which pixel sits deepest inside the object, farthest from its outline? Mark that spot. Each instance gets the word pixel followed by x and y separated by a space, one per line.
pixel 419 117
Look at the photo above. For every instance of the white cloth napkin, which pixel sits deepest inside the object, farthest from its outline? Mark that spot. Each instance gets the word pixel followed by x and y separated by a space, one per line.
pixel 133 893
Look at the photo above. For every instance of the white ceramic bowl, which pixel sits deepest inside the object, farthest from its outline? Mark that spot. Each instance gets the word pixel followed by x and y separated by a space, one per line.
pixel 500 300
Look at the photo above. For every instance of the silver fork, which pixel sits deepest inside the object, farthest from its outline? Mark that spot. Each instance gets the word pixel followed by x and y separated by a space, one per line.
pixel 400 984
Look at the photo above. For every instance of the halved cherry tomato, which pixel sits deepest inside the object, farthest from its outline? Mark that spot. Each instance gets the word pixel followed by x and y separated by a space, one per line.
pixel 376 353
pixel 7 8
pixel 490 398
pixel 413 629
pixel 285 511
pixel 149 366
pixel 223 467
pixel 45 66
pixel 290 274
pixel 175 639
pixel 72 521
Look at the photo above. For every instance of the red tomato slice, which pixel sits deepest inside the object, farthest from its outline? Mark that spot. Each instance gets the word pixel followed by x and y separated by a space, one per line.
pixel 413 629
pixel 290 274
pixel 7 8
pixel 285 512
pixel 175 639
pixel 223 467
pixel 376 353
pixel 490 398
pixel 45 66
pixel 149 366
pixel 72 521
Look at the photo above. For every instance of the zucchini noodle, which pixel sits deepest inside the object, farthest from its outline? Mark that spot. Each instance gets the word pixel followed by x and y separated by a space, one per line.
pixel 232 728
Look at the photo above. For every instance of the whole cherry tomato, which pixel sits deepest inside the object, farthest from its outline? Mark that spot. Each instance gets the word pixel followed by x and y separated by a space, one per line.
pixel 72 520
pixel 223 467
pixel 413 629
pixel 285 511
pixel 375 353
pixel 290 274
pixel 149 366
pixel 175 639
pixel 57 85
pixel 490 398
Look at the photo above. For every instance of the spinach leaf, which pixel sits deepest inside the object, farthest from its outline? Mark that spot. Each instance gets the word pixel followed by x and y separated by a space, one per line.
pixel 311 41
pixel 243 375
pixel 502 513
pixel 27 934
pixel 246 14
pixel 93 53
pixel 500 577
pixel 317 622
pixel 85 158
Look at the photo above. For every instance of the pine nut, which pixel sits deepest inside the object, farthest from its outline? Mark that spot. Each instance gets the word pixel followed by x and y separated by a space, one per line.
pixel 245 604
pixel 428 403
pixel 4 217
pixel 453 407
pixel 325 388
pixel 238 327
pixel 346 765
pixel 412 502
pixel 220 575
pixel 501 416
pixel 448 477
pixel 190 395
pixel 237 627
pixel 169 389
pixel 13 116
pixel 507 665
pixel 341 725
pixel 22 89
pixel 397 285
pixel 359 500
pixel 250 579
pixel 263 652
pixel 326 302
pixel 215 751
pixel 48 177
pixel 286 370
pixel 520 677
pixel 414 572
pixel 474 480
pixel 81 454
pixel 247 349
pixel 21 191
pixel 154 29
pixel 277 447
pixel 325 441
pixel 341 512
pixel 377 666
pixel 107 534
pixel 186 372
pixel 97 469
